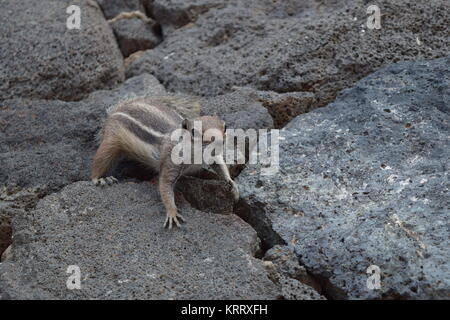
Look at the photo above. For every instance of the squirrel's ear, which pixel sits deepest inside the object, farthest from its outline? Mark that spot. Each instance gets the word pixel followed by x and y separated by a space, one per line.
pixel 185 123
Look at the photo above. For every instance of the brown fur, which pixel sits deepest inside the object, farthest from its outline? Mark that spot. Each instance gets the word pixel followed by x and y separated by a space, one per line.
pixel 141 131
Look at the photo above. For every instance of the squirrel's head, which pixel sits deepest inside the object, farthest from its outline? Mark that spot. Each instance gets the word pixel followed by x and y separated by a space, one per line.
pixel 206 128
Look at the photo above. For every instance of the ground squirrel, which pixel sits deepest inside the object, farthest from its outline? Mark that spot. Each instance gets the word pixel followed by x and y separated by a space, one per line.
pixel 140 129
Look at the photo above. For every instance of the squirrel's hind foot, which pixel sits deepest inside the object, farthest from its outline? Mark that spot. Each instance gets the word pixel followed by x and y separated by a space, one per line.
pixel 173 217
pixel 104 181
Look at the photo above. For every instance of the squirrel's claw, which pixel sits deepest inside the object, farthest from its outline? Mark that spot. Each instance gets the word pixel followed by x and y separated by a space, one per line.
pixel 104 181
pixel 171 218
pixel 235 190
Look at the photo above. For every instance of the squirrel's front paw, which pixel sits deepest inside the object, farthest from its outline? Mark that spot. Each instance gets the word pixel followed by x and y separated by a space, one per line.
pixel 235 190
pixel 104 181
pixel 173 216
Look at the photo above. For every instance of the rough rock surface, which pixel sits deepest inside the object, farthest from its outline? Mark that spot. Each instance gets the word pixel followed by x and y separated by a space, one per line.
pixel 240 109
pixel 8 210
pixel 364 181
pixel 112 8
pixel 6 255
pixel 287 264
pixel 135 34
pixel 116 237
pixel 5 232
pixel 177 13
pixel 286 106
pixel 284 269
pixel 288 46
pixel 142 86
pixel 41 58
pixel 208 195
pixel 246 108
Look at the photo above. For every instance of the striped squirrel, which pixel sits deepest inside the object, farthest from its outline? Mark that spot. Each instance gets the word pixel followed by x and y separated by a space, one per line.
pixel 140 129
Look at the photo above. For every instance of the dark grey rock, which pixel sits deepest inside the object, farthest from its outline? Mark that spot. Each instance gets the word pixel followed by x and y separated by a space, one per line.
pixel 112 8
pixel 116 237
pixel 286 106
pixel 292 289
pixel 135 34
pixel 12 202
pixel 5 232
pixel 286 263
pixel 364 181
pixel 177 13
pixel 246 108
pixel 283 268
pixel 142 86
pixel 208 195
pixel 6 255
pixel 240 109
pixel 289 46
pixel 41 58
